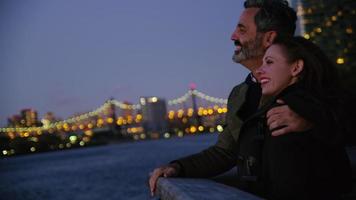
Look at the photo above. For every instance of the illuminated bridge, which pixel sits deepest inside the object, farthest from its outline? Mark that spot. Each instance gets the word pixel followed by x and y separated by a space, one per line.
pixel 192 113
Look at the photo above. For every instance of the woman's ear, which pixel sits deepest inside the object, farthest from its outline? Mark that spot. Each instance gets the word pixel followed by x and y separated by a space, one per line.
pixel 298 67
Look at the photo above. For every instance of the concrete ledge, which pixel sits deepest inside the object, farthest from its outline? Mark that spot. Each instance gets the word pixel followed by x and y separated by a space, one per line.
pixel 211 189
pixel 197 189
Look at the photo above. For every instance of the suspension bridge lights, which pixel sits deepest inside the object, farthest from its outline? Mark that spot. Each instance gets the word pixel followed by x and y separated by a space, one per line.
pixel 196 118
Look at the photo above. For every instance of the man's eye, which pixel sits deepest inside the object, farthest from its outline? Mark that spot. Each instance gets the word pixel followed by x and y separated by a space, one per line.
pixel 242 30
pixel 269 61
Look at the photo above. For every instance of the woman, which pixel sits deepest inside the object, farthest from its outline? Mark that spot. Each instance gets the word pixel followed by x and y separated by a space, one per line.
pixel 301 165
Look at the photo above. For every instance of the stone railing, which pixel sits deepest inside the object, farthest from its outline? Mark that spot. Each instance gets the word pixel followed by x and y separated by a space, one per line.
pixel 218 187
pixel 196 189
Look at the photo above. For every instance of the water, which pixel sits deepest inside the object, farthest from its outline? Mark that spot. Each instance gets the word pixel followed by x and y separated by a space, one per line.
pixel 116 171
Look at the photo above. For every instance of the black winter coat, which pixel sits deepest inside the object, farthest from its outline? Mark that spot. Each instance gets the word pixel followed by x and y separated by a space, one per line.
pixel 304 165
pixel 296 164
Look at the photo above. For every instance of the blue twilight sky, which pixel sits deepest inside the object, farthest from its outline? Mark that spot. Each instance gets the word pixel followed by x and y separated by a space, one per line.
pixel 69 56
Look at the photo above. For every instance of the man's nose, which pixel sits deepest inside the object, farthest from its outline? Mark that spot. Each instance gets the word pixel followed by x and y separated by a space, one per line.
pixel 234 35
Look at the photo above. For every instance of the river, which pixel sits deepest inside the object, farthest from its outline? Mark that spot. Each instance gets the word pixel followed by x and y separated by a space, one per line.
pixel 115 171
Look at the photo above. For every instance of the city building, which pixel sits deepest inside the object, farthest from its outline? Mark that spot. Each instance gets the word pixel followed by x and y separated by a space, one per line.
pixel 297 5
pixel 29 118
pixel 154 112
pixel 331 24
pixel 14 121
pixel 47 119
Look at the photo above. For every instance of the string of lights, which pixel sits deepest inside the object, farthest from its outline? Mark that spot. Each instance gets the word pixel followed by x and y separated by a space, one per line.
pixel 199 94
pixel 100 110
pixel 209 98
pixel 179 100
pixel 124 106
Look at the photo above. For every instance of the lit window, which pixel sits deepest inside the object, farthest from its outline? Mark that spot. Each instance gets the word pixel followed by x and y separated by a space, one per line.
pixel 143 101
pixel 328 23
pixel 349 30
pixel 340 61
pixel 184 120
pixel 143 136
pixel 154 99
pixel 193 129
pixel 219 128
pixel 167 135
pixel 110 120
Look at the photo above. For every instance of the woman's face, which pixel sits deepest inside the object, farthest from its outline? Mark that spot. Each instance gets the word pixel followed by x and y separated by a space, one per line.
pixel 275 74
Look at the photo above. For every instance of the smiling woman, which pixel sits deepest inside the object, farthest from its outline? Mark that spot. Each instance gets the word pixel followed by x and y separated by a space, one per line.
pixel 302 165
pixel 289 61
pixel 277 73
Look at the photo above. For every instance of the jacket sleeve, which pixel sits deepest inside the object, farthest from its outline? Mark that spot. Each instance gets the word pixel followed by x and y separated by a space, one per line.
pixel 215 159
pixel 210 162
pixel 327 124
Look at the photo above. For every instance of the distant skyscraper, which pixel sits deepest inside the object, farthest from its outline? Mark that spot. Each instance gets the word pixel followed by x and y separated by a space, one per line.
pixel 15 121
pixel 331 24
pixel 48 118
pixel 297 6
pixel 29 117
pixel 154 112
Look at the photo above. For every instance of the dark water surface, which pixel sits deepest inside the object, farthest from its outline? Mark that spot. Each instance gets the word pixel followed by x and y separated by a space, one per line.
pixel 116 171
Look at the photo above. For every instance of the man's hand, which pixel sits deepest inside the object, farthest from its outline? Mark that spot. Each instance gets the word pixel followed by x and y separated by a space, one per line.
pixel 282 120
pixel 165 171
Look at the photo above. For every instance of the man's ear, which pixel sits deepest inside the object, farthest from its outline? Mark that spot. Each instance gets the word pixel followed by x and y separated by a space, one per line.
pixel 297 68
pixel 268 38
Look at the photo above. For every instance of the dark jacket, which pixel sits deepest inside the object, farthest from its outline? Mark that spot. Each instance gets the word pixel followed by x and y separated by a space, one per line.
pixel 223 155
pixel 304 165
pixel 227 153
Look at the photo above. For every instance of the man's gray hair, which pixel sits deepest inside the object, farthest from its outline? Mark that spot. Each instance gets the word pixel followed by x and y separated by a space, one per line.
pixel 274 15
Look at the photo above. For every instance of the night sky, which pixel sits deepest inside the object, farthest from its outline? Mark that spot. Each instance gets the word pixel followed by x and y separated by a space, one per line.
pixel 70 56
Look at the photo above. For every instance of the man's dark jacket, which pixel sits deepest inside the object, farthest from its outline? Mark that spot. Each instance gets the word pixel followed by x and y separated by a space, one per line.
pixel 223 155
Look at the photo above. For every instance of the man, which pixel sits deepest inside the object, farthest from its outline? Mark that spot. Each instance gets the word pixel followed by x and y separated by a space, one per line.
pixel 259 24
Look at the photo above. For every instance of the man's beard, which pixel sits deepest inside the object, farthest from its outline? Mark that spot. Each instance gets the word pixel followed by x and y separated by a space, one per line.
pixel 251 49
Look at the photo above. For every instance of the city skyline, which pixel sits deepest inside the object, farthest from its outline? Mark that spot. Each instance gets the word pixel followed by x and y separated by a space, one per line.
pixel 70 57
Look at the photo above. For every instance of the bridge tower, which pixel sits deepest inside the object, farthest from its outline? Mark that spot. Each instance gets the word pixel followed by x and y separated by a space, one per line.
pixel 111 117
pixel 196 118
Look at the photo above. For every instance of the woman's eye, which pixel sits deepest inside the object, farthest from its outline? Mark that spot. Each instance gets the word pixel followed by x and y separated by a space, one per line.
pixel 269 62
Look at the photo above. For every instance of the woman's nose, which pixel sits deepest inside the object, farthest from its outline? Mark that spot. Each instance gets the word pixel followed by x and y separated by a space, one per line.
pixel 260 70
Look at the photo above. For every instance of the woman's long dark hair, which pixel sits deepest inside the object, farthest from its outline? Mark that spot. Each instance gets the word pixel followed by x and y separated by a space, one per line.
pixel 319 76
